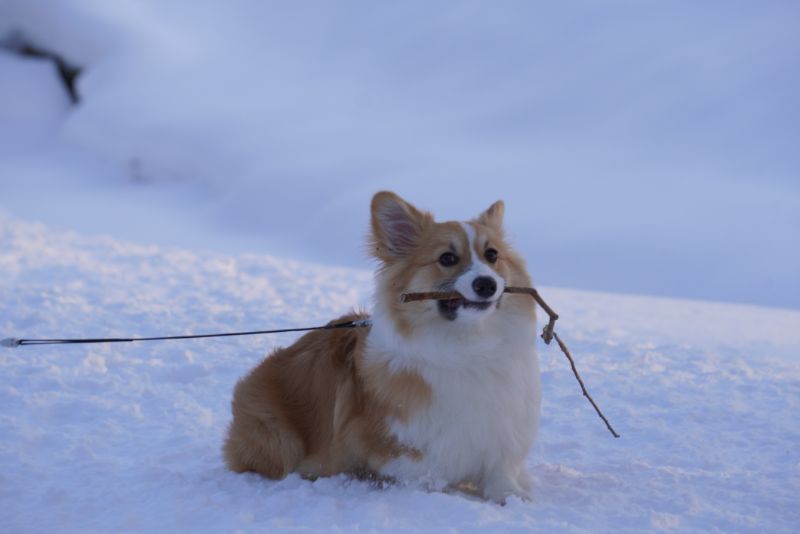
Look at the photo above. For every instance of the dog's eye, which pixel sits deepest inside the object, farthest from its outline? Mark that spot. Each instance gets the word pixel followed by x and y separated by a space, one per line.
pixel 448 259
pixel 490 255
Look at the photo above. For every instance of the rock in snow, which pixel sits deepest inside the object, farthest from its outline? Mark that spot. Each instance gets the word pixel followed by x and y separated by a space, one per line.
pixel 127 437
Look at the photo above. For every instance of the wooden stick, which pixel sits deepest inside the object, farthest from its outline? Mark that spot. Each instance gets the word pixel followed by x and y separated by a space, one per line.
pixel 431 295
pixel 548 333
pixel 549 329
pixel 565 350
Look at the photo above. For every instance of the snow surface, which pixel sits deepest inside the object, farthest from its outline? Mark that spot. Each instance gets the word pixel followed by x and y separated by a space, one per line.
pixel 642 147
pixel 126 437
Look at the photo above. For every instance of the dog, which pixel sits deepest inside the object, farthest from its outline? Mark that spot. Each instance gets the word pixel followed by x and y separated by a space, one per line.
pixel 443 392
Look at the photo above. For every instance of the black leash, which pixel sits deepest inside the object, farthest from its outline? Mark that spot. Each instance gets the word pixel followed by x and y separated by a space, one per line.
pixel 14 342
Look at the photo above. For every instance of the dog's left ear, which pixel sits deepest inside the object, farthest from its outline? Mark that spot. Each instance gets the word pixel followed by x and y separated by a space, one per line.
pixel 493 216
pixel 396 226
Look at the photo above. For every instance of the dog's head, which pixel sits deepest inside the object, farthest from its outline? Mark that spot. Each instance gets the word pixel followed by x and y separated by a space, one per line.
pixel 418 254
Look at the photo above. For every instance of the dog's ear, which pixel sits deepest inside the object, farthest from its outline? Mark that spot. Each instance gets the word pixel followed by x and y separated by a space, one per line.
pixel 396 226
pixel 493 216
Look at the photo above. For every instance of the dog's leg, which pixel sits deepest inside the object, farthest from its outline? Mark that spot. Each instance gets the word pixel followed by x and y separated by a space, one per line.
pixel 263 446
pixel 504 481
pixel 524 480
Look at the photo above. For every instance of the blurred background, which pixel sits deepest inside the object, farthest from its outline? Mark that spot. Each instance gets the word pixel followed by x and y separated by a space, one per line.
pixel 641 147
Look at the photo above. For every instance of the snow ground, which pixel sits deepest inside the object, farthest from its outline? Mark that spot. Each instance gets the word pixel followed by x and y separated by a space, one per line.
pixel 640 148
pixel 126 437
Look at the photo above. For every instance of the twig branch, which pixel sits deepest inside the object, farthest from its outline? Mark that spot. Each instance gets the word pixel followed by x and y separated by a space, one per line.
pixel 548 333
pixel 565 350
pixel 549 329
pixel 430 295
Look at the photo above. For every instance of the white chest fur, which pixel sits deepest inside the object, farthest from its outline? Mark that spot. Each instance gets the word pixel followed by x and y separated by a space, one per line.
pixel 484 412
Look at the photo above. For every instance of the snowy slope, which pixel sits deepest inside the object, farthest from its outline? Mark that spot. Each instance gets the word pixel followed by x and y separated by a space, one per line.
pixel 126 437
pixel 658 138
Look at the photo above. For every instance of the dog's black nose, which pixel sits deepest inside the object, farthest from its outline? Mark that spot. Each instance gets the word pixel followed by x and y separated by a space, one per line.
pixel 484 286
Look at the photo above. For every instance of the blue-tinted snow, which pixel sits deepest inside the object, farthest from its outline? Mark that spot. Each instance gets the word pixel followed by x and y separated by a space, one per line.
pixel 642 147
pixel 127 437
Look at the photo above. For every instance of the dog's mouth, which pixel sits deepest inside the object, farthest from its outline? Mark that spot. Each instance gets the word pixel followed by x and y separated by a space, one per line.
pixel 449 308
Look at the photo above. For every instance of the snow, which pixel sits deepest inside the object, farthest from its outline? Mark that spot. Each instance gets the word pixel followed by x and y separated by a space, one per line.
pixel 216 175
pixel 641 148
pixel 127 437
pixel 39 102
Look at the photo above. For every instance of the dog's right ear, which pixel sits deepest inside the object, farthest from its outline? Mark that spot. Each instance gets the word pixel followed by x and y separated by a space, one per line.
pixel 396 226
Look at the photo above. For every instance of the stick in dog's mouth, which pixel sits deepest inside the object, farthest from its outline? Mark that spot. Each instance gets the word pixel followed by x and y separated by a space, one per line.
pixel 456 297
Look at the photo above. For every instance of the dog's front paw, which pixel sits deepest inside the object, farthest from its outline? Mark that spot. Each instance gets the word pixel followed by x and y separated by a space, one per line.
pixel 501 486
pixel 525 482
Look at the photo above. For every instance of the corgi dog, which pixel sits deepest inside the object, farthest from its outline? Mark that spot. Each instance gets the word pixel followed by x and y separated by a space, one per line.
pixel 444 392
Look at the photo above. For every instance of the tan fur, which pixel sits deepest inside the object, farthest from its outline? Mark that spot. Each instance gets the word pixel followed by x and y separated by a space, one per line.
pixel 318 409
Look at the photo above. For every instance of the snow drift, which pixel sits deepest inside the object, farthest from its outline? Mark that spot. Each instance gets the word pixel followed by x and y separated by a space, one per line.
pixel 645 148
